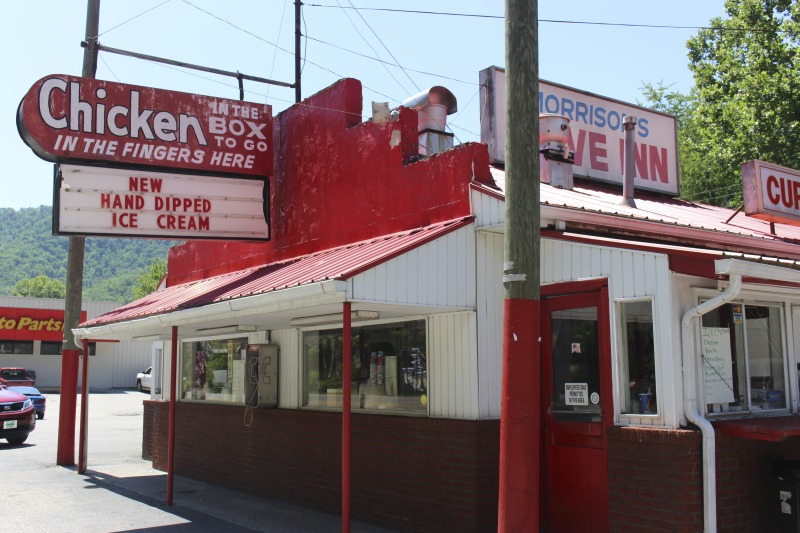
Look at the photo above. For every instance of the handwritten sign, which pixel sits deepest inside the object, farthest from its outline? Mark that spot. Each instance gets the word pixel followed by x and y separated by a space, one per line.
pixel 717 367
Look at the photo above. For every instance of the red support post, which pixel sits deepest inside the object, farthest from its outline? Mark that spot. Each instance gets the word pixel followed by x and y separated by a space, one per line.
pixel 347 358
pixel 82 452
pixel 65 454
pixel 520 415
pixel 171 431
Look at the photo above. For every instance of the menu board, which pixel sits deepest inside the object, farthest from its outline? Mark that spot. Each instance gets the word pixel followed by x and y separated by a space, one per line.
pixel 717 367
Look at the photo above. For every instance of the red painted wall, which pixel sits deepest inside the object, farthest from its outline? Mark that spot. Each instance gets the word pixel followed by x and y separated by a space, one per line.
pixel 339 180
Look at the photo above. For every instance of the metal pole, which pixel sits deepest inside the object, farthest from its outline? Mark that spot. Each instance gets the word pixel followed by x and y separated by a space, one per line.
pixel 347 357
pixel 82 449
pixel 627 185
pixel 173 369
pixel 297 71
pixel 65 454
pixel 520 432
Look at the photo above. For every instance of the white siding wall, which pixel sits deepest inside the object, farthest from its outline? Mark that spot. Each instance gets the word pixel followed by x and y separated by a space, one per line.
pixel 630 273
pixel 440 273
pixel 289 367
pixel 490 322
pixel 452 368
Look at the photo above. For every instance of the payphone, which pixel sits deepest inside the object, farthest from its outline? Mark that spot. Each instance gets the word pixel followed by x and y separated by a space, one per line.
pixel 261 382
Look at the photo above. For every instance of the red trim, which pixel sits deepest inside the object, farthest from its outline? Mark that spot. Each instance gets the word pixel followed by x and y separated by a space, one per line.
pixel 65 455
pixel 171 429
pixel 573 287
pixel 772 429
pixel 346 391
pixel 82 452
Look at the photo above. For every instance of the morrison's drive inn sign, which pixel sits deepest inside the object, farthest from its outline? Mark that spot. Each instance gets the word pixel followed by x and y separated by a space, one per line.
pixel 166 135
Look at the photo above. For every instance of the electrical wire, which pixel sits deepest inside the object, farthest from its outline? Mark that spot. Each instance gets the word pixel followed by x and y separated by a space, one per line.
pixel 108 67
pixel 275 52
pixel 555 21
pixel 372 48
pixel 384 46
pixel 365 56
pixel 133 18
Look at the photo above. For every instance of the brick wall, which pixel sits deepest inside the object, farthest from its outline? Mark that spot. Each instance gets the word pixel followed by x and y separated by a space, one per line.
pixel 655 480
pixel 409 473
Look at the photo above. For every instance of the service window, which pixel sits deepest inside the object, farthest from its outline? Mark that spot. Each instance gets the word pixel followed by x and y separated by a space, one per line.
pixel 638 363
pixel 389 368
pixel 744 360
pixel 215 370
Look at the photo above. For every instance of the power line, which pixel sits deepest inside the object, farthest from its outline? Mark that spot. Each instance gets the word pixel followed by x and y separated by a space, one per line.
pixel 552 21
pixel 371 47
pixel 384 46
pixel 133 18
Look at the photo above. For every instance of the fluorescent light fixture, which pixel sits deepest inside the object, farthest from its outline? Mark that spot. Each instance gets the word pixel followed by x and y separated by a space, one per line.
pixel 227 329
pixel 157 337
pixel 333 318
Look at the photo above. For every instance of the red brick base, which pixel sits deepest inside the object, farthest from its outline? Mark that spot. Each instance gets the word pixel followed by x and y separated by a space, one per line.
pixel 408 473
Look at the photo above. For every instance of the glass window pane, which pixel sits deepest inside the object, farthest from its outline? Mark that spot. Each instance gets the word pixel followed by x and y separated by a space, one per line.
pixel 213 370
pixel 639 357
pixel 576 361
pixel 51 348
pixel 23 347
pixel 389 367
pixel 747 372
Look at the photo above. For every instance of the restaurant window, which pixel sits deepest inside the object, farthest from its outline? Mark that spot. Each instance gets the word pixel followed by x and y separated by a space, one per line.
pixel 638 357
pixel 214 370
pixel 16 347
pixel 389 368
pixel 744 361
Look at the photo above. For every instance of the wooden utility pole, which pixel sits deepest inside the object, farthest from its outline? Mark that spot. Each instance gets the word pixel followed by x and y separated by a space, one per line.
pixel 520 433
pixel 298 6
pixel 70 352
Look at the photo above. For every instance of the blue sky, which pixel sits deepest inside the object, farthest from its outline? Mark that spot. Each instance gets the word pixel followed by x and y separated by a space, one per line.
pixel 43 37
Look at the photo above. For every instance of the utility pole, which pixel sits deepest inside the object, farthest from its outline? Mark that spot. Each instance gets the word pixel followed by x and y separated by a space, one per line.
pixel 297 63
pixel 520 430
pixel 65 454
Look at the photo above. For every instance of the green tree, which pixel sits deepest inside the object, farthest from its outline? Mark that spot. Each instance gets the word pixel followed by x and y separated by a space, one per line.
pixel 40 287
pixel 149 282
pixel 746 97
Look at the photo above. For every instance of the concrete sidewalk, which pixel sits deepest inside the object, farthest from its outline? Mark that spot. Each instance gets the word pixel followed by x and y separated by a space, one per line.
pixel 121 492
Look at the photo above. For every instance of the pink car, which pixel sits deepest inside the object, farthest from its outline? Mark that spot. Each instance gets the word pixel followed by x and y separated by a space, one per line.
pixel 17 416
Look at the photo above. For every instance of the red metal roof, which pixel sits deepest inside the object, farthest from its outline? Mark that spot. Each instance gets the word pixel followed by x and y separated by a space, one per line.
pixel 707 224
pixel 339 263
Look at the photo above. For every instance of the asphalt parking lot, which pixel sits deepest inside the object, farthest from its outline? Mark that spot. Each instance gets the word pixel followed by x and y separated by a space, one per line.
pixel 120 491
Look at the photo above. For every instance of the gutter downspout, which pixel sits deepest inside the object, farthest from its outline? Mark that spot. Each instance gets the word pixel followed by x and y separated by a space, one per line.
pixel 690 400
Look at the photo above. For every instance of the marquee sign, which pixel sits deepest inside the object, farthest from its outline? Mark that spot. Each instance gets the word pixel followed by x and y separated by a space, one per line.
pixel 133 203
pixel 597 134
pixel 771 192
pixel 68 119
pixel 27 324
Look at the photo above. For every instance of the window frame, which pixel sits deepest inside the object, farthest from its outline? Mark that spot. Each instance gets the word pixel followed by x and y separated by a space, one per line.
pixel 623 385
pixel 302 388
pixel 764 297
pixel 180 377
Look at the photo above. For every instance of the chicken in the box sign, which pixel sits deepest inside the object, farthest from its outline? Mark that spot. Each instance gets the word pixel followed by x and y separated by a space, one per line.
pixel 69 119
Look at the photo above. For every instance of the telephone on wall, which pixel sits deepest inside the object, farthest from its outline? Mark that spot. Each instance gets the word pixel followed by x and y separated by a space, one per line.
pixel 262 374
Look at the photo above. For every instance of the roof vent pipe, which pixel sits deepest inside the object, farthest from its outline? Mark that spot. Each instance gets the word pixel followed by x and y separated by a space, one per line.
pixel 433 106
pixel 627 185
pixel 555 157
